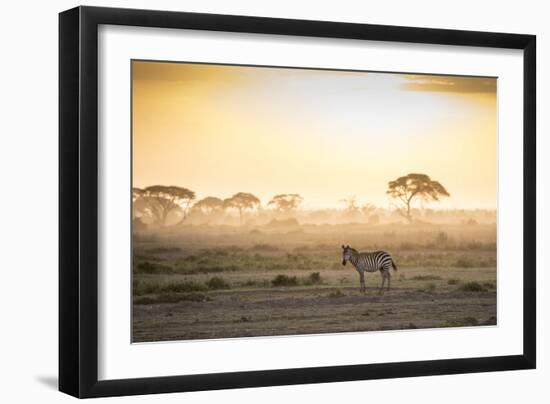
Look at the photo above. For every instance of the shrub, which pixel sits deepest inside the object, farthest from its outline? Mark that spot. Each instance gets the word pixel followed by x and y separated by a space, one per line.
pixel 284 280
pixel 152 268
pixel 431 287
pixel 472 287
pixel 216 283
pixel 314 278
pixel 426 278
pixel 453 281
pixel 489 285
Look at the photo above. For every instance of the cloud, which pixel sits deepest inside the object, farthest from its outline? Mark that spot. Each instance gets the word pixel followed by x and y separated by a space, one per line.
pixel 450 84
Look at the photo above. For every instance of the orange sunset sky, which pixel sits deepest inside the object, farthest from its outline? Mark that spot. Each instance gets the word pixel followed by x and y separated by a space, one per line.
pixel 326 135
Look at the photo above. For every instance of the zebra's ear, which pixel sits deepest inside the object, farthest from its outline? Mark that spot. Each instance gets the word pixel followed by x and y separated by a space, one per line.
pixel 347 246
pixel 343 248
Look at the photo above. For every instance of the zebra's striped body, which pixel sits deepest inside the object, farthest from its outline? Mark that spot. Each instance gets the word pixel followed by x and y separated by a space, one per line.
pixel 369 262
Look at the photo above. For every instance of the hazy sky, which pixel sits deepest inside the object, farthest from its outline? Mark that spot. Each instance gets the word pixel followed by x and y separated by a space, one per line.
pixel 326 135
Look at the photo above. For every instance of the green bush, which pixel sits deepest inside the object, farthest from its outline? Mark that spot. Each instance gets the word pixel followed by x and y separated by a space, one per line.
pixel 472 287
pixel 314 278
pixel 217 283
pixel 284 280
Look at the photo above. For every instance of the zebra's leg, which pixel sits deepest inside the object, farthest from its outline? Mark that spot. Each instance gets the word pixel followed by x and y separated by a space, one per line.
pixel 389 278
pixel 383 281
pixel 362 282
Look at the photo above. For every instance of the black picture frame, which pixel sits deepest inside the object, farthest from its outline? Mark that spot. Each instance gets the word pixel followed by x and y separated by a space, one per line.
pixel 78 201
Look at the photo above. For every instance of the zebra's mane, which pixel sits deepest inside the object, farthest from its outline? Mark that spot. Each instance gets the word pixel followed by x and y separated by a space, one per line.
pixel 354 250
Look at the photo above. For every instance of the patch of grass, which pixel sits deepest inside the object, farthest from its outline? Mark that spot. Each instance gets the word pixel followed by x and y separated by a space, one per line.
pixel 217 283
pixel 261 257
pixel 460 322
pixel 442 238
pixel 464 263
pixel 474 245
pixel 408 246
pixel 210 270
pixel 263 247
pixel 147 288
pixel 489 285
pixel 284 280
pixel 336 294
pixel 163 250
pixel 343 280
pixel 472 287
pixel 453 281
pixel 314 278
pixel 183 287
pixel 172 298
pixel 474 262
pixel 431 287
pixel 336 265
pixel 142 257
pixel 256 282
pixel 152 268
pixel 426 278
pixel 143 288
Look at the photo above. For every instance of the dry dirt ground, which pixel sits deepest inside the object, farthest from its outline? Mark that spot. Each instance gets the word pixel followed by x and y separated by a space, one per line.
pixel 294 310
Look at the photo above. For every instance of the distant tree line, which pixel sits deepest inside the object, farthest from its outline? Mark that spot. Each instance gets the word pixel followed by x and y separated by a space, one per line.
pixel 156 203
pixel 162 205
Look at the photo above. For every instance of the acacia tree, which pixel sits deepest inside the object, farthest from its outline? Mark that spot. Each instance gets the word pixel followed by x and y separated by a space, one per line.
pixel 158 201
pixel 411 186
pixel 286 203
pixel 209 205
pixel 242 201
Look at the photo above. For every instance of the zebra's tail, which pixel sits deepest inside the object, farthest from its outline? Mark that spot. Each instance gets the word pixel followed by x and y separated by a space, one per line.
pixel 393 265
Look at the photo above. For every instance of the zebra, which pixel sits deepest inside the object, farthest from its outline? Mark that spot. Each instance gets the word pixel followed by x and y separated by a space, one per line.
pixel 369 262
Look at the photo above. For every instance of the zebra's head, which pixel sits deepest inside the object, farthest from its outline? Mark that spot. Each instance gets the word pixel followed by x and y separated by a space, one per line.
pixel 346 253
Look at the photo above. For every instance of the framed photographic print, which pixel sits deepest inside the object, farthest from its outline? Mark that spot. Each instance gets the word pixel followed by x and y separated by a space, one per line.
pixel 250 201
